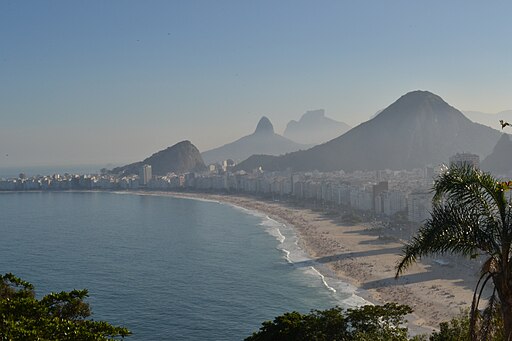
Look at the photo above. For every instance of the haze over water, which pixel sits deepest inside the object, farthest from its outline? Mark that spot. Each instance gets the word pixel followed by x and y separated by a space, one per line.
pixel 166 268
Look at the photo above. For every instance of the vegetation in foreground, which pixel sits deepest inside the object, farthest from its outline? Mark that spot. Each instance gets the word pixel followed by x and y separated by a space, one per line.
pixel 57 316
pixel 367 323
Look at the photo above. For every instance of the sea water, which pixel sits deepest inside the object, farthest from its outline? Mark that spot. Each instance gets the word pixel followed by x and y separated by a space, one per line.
pixel 166 268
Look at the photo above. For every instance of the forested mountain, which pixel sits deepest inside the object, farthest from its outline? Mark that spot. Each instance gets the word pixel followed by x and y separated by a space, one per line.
pixel 182 157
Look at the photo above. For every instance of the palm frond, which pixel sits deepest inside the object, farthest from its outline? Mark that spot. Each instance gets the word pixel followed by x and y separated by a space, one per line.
pixel 478 190
pixel 451 228
pixel 474 306
pixel 471 213
pixel 488 316
pixel 461 182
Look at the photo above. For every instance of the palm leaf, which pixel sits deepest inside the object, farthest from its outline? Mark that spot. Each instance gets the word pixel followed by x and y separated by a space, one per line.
pixel 478 190
pixel 471 215
pixel 451 228
pixel 488 316
pixel 474 303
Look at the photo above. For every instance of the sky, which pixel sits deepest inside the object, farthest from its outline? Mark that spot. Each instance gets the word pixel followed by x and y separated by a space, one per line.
pixel 111 82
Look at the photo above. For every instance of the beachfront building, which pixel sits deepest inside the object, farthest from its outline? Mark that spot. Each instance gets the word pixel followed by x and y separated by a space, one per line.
pixel 376 191
pixel 361 198
pixel 342 194
pixel 358 190
pixel 390 202
pixel 145 174
pixel 419 206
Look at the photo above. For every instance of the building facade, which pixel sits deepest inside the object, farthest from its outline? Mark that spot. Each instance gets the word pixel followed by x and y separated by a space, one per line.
pixel 145 175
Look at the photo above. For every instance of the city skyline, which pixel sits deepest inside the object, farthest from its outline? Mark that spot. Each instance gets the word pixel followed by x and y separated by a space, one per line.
pixel 112 82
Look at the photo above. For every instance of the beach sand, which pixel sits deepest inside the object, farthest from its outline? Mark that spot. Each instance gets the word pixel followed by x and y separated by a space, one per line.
pixel 364 256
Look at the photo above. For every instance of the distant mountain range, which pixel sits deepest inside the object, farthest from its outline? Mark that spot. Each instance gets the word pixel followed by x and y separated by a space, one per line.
pixel 499 162
pixel 182 157
pixel 418 129
pixel 490 120
pixel 263 141
pixel 314 128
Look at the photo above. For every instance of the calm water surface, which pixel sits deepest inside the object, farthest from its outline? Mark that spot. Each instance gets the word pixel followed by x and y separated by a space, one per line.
pixel 166 268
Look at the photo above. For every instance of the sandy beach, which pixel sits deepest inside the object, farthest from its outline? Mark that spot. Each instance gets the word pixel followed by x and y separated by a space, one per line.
pixel 364 256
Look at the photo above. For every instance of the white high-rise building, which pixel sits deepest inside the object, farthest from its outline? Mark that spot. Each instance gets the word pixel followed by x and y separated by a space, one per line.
pixel 419 206
pixel 145 174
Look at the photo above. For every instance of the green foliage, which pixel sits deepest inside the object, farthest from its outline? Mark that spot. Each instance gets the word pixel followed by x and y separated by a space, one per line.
pixel 471 217
pixel 455 330
pixel 373 323
pixel 57 316
pixel 367 323
pixel 458 329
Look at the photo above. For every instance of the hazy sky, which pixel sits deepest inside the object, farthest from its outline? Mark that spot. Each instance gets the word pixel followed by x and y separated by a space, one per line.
pixel 92 82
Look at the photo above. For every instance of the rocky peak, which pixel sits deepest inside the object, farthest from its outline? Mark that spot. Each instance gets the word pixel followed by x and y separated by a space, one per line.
pixel 313 115
pixel 264 126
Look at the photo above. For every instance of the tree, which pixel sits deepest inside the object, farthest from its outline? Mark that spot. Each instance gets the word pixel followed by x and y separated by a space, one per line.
pixel 471 216
pixel 57 316
pixel 458 329
pixel 364 323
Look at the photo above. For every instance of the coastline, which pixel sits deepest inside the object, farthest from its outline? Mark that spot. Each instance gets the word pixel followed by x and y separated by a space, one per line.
pixel 436 289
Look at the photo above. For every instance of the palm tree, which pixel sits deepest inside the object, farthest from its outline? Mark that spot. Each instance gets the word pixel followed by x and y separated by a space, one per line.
pixel 471 216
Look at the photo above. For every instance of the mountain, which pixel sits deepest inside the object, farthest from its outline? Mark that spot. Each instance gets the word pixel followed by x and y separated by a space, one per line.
pixel 314 128
pixel 263 141
pixel 499 162
pixel 419 128
pixel 183 157
pixel 490 120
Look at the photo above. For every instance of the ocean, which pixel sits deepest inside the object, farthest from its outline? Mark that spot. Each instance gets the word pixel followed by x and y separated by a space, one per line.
pixel 166 268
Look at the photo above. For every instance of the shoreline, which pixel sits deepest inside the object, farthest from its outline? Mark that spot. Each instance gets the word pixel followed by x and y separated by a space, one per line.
pixel 437 289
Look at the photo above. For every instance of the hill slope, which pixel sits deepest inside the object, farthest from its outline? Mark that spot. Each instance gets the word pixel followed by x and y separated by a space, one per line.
pixel 182 157
pixel 490 120
pixel 262 141
pixel 499 162
pixel 419 128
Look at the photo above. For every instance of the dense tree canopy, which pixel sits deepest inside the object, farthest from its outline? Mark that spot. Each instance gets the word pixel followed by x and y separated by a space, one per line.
pixel 367 323
pixel 56 316
pixel 458 329
pixel 364 323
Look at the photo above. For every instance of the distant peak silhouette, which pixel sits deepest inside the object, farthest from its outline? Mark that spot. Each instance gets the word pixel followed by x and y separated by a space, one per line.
pixel 264 126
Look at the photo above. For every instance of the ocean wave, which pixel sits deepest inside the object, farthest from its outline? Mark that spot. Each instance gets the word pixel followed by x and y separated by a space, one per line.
pixel 274 231
pixel 344 294
pixel 287 255
pixel 322 277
